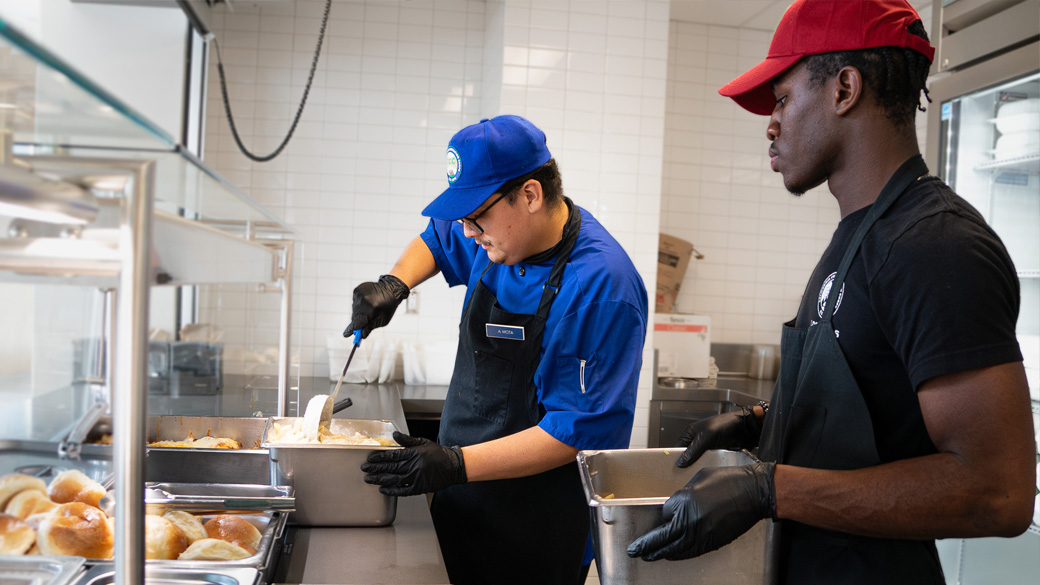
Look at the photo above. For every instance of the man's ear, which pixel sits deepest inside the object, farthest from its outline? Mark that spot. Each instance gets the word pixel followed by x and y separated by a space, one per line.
pixel 531 195
pixel 848 89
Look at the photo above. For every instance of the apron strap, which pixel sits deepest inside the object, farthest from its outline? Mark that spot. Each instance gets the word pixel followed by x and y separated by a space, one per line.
pixel 563 254
pixel 909 172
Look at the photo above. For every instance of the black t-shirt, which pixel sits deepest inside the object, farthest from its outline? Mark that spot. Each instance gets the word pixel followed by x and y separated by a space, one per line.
pixel 932 291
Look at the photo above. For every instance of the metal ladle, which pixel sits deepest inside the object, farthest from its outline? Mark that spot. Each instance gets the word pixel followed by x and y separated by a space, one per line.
pixel 322 406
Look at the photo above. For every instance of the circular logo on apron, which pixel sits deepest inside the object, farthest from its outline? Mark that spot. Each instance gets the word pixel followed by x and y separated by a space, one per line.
pixel 825 292
pixel 454 165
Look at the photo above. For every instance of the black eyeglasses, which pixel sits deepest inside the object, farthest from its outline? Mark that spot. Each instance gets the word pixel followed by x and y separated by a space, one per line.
pixel 472 221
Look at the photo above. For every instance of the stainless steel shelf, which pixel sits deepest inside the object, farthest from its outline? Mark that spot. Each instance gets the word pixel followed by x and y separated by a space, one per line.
pixel 164 217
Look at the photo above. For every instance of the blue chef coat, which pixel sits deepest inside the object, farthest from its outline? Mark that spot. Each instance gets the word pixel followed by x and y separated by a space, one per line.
pixel 592 347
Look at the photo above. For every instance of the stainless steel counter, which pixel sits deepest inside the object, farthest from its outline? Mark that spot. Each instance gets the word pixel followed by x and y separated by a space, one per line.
pixel 404 552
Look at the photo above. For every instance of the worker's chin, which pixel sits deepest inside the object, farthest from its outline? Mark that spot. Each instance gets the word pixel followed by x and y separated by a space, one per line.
pixel 499 257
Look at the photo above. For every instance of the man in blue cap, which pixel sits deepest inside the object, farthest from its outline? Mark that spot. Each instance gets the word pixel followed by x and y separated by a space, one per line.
pixel 550 348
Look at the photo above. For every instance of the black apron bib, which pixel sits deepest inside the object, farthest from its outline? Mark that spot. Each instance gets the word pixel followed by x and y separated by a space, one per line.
pixel 526 530
pixel 819 419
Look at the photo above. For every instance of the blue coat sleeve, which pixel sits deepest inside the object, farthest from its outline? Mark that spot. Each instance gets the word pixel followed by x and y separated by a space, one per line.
pixel 588 377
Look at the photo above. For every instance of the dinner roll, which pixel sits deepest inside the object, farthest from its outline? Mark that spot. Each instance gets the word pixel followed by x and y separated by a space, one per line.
pixel 74 486
pixel 233 529
pixel 29 502
pixel 16 537
pixel 76 529
pixel 189 524
pixel 214 549
pixel 162 539
pixel 12 484
pixel 35 520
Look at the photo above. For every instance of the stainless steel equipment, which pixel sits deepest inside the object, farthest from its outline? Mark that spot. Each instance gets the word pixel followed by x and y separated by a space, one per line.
pixel 171 464
pixel 196 498
pixel 677 402
pixel 271 526
pixel 167 575
pixel 330 487
pixel 38 570
pixel 626 490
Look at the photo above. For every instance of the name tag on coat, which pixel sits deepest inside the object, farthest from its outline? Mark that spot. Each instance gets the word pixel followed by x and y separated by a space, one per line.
pixel 504 331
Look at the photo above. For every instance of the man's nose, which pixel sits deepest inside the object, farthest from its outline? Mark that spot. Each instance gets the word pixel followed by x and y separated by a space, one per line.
pixel 773 129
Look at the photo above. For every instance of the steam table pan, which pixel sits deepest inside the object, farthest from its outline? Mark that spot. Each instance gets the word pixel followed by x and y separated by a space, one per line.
pixel 626 491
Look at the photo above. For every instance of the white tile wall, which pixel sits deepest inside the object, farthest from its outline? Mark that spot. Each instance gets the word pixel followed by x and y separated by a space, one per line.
pixel 628 102
pixel 395 80
pixel 760 243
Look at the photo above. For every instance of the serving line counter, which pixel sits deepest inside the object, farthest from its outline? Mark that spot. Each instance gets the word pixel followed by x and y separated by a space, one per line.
pixel 403 552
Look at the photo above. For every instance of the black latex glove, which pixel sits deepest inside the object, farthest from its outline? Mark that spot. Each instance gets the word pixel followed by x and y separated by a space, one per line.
pixel 422 466
pixel 375 303
pixel 712 510
pixel 739 429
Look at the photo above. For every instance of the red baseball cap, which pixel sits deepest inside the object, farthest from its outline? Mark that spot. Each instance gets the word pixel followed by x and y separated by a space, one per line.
pixel 811 27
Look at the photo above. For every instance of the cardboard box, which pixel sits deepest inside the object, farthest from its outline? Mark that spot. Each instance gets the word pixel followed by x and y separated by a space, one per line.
pixel 673 256
pixel 683 344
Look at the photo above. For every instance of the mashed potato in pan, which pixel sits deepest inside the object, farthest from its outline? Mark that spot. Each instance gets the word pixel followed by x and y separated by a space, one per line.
pixel 293 433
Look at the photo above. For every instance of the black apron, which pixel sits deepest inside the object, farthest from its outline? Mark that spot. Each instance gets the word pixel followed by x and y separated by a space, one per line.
pixel 526 530
pixel 819 419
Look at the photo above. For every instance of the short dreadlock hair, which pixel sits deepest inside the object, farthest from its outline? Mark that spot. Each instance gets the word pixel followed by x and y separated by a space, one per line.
pixel 895 75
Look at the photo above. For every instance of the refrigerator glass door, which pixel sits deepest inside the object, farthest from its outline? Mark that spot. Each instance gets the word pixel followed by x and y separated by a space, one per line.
pixel 989 152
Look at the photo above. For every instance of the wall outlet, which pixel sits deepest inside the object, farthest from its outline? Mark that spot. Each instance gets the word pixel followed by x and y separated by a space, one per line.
pixel 411 304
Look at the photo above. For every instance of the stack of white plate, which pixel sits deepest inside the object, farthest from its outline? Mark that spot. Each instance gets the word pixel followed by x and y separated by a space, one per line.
pixel 1019 125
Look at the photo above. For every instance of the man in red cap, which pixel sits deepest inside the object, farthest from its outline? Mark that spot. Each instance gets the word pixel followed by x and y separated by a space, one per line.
pixel 902 413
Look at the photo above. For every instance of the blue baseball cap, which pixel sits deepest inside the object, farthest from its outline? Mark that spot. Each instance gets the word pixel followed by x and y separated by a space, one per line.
pixel 481 158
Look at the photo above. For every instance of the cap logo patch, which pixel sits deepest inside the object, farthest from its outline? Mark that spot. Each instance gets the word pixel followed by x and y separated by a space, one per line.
pixel 454 165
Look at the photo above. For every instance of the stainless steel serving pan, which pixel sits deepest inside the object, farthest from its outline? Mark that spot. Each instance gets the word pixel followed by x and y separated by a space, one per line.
pixel 39 570
pixel 626 491
pixel 272 528
pixel 168 575
pixel 212 497
pixel 172 464
pixel 330 487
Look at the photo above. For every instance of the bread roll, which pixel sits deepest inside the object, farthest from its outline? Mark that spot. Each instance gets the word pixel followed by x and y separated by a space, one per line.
pixel 29 502
pixel 12 484
pixel 16 537
pixel 74 486
pixel 35 520
pixel 189 524
pixel 214 549
pixel 76 529
pixel 233 529
pixel 162 539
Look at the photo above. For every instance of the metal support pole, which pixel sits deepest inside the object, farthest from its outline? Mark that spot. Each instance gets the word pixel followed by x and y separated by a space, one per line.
pixel 285 318
pixel 108 327
pixel 130 396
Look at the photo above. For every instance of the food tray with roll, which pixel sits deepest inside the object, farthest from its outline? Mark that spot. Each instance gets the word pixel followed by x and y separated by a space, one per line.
pixel 217 539
pixel 65 518
pixel 196 449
